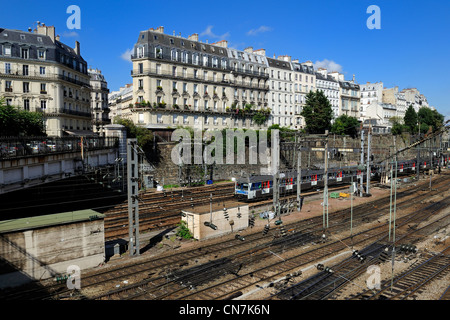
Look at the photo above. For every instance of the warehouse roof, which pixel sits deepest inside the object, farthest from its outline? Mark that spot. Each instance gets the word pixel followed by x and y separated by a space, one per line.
pixel 48 220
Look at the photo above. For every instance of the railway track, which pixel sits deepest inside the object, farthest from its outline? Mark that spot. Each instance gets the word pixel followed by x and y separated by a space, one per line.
pixel 409 283
pixel 198 276
pixel 193 268
pixel 331 279
pixel 162 210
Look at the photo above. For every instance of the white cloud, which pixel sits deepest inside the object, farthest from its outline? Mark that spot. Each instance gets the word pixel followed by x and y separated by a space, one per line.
pixel 127 55
pixel 329 65
pixel 70 34
pixel 261 29
pixel 208 32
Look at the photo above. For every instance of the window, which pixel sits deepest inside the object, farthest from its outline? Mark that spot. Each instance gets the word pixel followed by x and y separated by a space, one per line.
pixel 174 119
pixel 8 86
pixel 158 69
pixel 43 104
pixel 205 61
pixel 158 52
pixel 140 52
pixel 42 70
pixel 26 104
pixel 174 71
pixel 195 58
pixel 174 54
pixel 41 54
pixel 8 68
pixel 141 84
pixel 7 50
pixel 184 56
pixel 24 53
pixel 43 88
pixel 174 85
pixel 25 70
pixel 185 120
pixel 26 87
pixel 141 68
pixel 9 102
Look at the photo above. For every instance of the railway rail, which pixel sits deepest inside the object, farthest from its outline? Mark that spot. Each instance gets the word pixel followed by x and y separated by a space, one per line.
pixel 235 265
pixel 198 276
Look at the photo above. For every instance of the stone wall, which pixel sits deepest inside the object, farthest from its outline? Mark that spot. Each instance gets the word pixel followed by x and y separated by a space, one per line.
pixel 344 151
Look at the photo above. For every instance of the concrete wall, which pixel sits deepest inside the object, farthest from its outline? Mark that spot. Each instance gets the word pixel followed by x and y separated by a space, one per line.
pixel 46 252
pixel 25 172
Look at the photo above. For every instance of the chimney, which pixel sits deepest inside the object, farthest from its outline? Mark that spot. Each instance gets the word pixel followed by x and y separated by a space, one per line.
pixel 221 43
pixel 160 30
pixel 46 31
pixel 193 37
pixel 296 60
pixel 77 48
pixel 57 38
pixel 285 58
pixel 261 52
pixel 249 50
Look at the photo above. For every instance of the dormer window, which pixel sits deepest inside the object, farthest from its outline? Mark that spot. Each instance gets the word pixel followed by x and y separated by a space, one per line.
pixel 22 37
pixel 158 52
pixel 24 53
pixel 41 54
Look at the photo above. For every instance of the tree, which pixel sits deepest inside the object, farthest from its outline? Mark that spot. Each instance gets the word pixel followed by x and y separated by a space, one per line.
pixel 397 126
pixel 410 119
pixel 345 125
pixel 317 112
pixel 429 118
pixel 17 122
pixel 143 135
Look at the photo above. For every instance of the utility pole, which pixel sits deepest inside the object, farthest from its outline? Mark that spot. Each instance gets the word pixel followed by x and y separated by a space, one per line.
pixel 325 178
pixel 275 169
pixel 133 190
pixel 362 163
pixel 299 176
pixel 368 160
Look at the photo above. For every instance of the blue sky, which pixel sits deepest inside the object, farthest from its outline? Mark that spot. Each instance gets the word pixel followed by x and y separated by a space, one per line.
pixel 412 48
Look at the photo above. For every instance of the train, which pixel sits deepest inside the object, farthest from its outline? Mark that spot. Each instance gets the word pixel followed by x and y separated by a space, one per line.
pixel 260 187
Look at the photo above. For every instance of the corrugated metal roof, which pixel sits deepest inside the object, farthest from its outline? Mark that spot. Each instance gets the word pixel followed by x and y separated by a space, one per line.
pixel 48 220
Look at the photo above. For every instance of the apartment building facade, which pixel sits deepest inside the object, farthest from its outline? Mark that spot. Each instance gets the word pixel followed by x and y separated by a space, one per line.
pixel 99 101
pixel 40 73
pixel 120 99
pixel 184 82
pixel 331 89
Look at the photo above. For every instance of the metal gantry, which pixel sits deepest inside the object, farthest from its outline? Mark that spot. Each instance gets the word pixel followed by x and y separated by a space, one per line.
pixel 133 190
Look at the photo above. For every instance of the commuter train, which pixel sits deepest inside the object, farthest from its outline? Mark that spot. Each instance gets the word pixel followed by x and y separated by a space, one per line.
pixel 259 187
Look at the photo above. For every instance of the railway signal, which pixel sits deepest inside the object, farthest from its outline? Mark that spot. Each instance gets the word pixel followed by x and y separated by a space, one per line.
pixel 266 229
